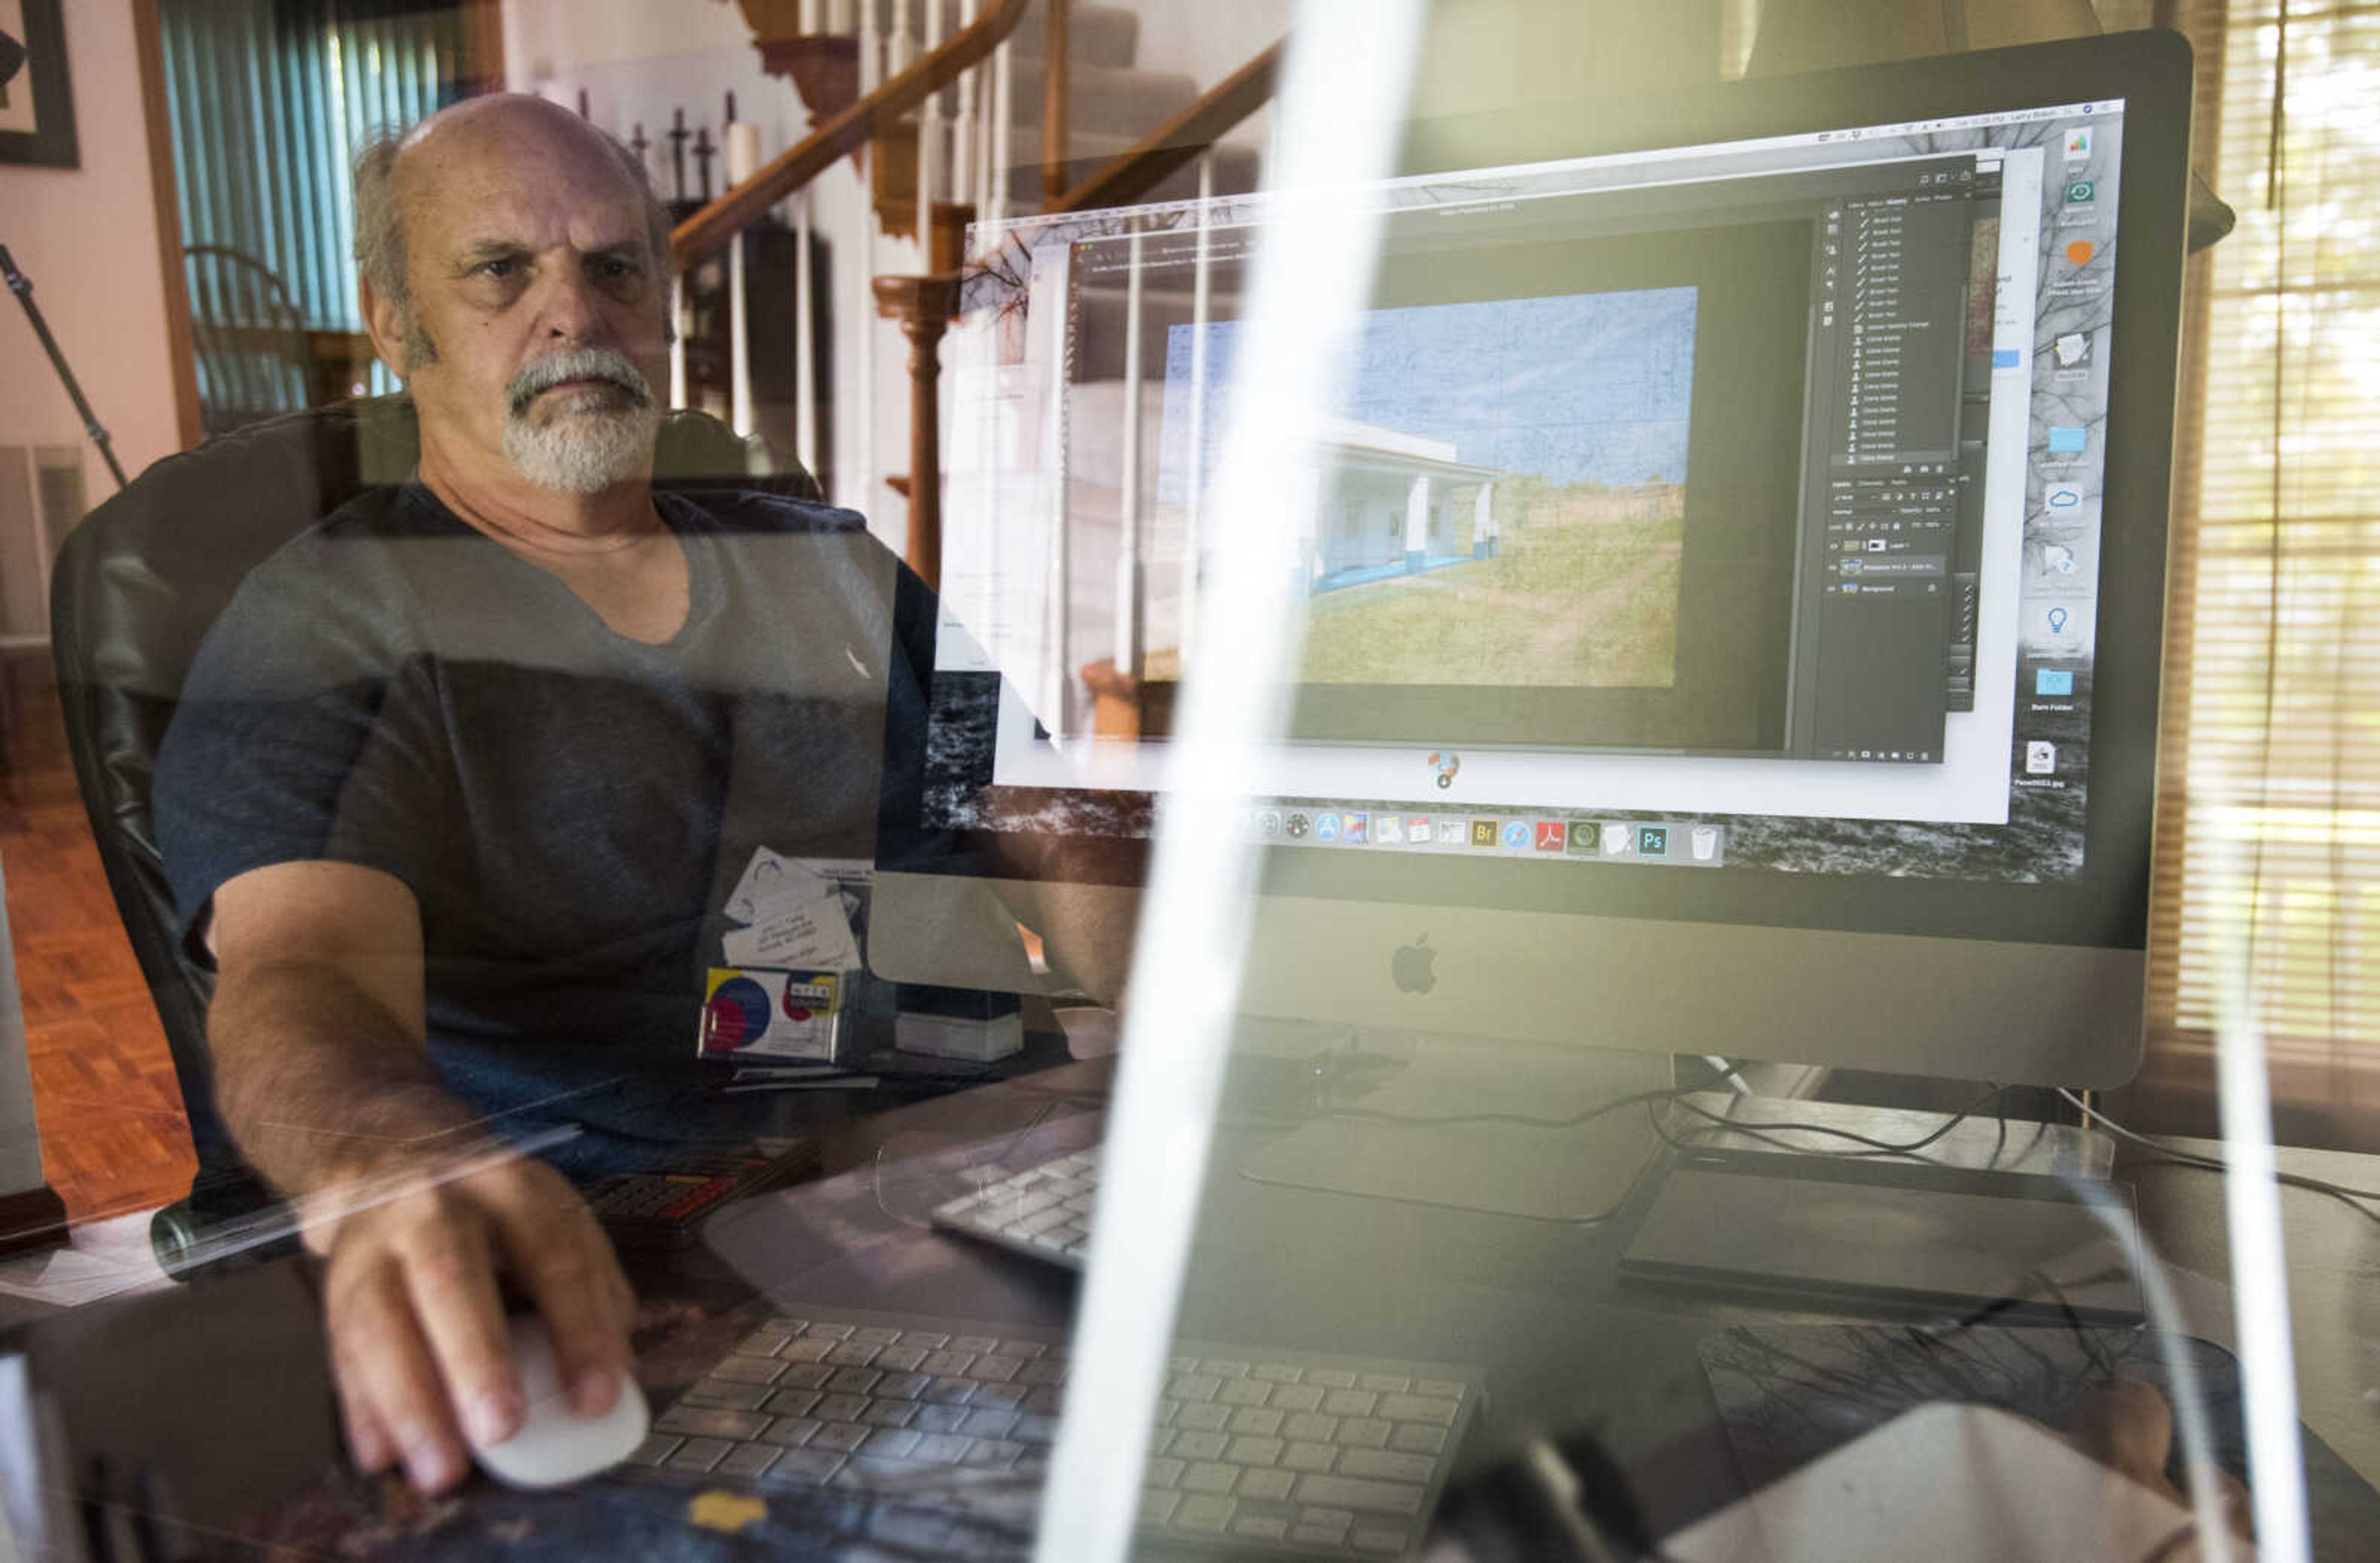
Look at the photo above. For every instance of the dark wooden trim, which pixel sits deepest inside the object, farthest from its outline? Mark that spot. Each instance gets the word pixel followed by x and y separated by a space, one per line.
pixel 32 1219
pixel 852 128
pixel 1133 173
pixel 1057 51
pixel 165 195
pixel 483 46
pixel 924 306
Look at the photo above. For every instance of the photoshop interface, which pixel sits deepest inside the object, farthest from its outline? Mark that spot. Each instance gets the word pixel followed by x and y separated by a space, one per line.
pixel 1906 617
pixel 1887 580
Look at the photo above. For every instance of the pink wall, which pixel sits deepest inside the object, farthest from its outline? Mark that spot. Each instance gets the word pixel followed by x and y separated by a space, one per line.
pixel 86 236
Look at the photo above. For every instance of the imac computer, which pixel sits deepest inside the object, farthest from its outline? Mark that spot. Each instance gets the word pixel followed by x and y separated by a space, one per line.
pixel 1732 583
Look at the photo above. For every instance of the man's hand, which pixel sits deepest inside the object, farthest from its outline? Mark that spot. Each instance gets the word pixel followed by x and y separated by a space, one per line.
pixel 413 1301
pixel 424 1220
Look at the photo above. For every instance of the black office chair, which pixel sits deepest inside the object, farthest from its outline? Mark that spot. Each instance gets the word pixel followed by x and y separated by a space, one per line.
pixel 247 340
pixel 137 585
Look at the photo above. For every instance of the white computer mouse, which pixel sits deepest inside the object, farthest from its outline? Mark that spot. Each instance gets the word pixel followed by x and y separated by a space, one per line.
pixel 554 1444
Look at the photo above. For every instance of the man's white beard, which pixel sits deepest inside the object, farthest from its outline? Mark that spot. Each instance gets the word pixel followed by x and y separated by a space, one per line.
pixel 582 449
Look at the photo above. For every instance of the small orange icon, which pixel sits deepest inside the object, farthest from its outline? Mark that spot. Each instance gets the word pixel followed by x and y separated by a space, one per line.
pixel 2081 251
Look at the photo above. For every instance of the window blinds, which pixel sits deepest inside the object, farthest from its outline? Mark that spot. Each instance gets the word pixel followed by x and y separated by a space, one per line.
pixel 2269 829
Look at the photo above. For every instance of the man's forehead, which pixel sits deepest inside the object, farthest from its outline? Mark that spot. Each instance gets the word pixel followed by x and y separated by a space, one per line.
pixel 517 177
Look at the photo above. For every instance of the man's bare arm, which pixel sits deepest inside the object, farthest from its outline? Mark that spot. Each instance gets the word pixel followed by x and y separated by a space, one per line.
pixel 325 1077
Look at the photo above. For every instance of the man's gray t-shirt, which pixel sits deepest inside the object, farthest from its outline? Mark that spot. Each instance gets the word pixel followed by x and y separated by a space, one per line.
pixel 570 808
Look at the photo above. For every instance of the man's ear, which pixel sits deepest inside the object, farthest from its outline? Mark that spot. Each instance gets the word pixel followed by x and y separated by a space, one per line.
pixel 384 318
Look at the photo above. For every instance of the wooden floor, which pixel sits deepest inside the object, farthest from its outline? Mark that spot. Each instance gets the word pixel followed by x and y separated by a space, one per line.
pixel 112 1135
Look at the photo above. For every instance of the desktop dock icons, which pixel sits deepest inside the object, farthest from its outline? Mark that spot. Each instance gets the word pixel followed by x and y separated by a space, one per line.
pixel 1586 838
pixel 1653 840
pixel 1516 835
pixel 1618 841
pixel 1449 765
pixel 1551 835
pixel 1483 833
pixel 1450 832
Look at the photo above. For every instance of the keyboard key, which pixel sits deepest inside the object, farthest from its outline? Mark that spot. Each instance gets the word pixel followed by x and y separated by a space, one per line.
pixel 1207 1476
pixel 1202 1512
pixel 1261 1451
pixel 1414 1437
pixel 1342 1492
pixel 791 1432
pixel 1203 1418
pixel 1009 1394
pixel 1439 1388
pixel 941 1448
pixel 1311 1428
pixel 1047 1371
pixel 854 1380
pixel 1365 1434
pixel 989 1423
pixel 726 1394
pixel 805 1376
pixel 1388 1541
pixel 888 1413
pixel 1031 1350
pixel 805 1468
pixel 951 1363
pixel 1277 1373
pixel 766 1341
pixel 902 1385
pixel 657 1448
pixel 941 1419
pixel 808 1349
pixel 876 1335
pixel 1261 1527
pixel 828 1332
pixel 1311 1457
pixel 841 1437
pixel 1419 1408
pixel 1162 1472
pixel 1384 1382
pixel 1245 1392
pixel 854 1354
pixel 748 1460
pixel 1297 1397
pixel 900 1359
pixel 1351 1403
pixel 1157 1507
pixel 1198 1445
pixel 1331 1378
pixel 929 1340
pixel 748 1370
pixel 995 1370
pixel 1385 1465
pixel 710 1422
pixel 973 1345
pixel 1193 1387
pixel 840 1407
pixel 1226 1368
pixel 997 1453
pixel 894 1443
pixel 698 1454
pixel 1035 1430
pixel 1270 1486
pixel 1256 1422
pixel 1043 1402
pixel 950 1392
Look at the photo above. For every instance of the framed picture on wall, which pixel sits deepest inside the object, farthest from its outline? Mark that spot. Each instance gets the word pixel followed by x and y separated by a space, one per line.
pixel 36 99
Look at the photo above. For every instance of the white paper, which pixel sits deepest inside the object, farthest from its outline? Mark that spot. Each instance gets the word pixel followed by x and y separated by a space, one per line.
pixel 809 931
pixel 771 876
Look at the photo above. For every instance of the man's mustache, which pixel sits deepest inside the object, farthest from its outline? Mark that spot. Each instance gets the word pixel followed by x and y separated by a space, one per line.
pixel 607 364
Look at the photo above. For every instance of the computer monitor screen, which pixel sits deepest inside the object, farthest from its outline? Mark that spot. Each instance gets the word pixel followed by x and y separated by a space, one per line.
pixel 1732 583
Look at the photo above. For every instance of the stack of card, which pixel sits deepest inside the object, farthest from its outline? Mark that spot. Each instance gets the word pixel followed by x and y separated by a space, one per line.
pixel 784 988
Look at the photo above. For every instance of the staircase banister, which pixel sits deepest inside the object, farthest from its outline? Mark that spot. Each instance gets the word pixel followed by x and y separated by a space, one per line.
pixel 1150 162
pixel 742 205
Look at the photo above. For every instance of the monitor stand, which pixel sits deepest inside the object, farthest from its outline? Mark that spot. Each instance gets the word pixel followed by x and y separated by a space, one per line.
pixel 1565 1161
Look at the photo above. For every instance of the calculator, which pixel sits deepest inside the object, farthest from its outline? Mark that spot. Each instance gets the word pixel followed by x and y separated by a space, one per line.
pixel 664 1206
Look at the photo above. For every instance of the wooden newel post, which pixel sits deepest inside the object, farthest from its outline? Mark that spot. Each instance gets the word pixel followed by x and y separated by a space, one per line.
pixel 924 306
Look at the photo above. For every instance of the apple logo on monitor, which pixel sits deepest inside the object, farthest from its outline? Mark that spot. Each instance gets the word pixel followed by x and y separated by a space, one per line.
pixel 1413 966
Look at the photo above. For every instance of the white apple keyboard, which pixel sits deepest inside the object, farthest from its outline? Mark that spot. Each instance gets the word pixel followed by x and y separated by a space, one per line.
pixel 1044 1212
pixel 555 1445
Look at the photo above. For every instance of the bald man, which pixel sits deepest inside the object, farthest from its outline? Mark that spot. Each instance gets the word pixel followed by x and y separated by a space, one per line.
pixel 461 778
